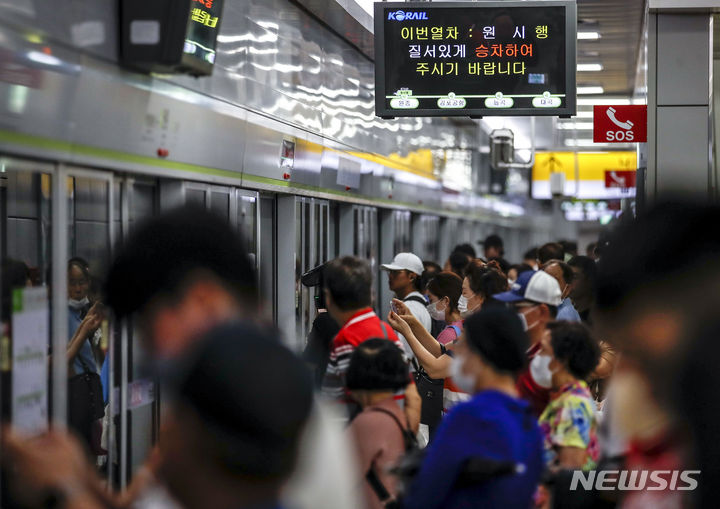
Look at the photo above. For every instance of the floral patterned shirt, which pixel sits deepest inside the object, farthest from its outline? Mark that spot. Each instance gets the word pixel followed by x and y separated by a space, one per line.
pixel 569 421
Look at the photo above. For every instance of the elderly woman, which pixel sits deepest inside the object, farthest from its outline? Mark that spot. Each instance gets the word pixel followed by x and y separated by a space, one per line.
pixel 568 355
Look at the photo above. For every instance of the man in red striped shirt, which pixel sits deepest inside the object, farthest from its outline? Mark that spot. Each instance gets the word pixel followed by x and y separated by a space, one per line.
pixel 347 286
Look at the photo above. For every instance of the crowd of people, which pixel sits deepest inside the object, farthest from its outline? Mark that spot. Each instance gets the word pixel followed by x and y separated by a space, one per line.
pixel 484 384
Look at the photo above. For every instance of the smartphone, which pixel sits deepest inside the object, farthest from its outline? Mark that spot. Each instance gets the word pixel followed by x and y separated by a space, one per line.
pixel 394 307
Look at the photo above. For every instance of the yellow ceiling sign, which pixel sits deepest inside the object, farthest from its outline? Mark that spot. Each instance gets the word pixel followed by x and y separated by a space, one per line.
pixel 587 165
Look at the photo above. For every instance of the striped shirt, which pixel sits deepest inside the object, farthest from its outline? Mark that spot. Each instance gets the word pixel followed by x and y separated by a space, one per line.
pixel 362 326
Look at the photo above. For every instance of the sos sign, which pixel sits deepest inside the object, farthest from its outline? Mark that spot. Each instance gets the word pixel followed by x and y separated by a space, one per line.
pixel 620 124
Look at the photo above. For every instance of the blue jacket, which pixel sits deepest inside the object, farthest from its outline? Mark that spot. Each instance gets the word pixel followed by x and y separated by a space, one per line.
pixel 491 425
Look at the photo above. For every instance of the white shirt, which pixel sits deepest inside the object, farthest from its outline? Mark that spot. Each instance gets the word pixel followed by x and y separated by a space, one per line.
pixel 420 312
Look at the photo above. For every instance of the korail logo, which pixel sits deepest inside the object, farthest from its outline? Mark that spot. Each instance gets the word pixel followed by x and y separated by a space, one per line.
pixel 635 480
pixel 403 16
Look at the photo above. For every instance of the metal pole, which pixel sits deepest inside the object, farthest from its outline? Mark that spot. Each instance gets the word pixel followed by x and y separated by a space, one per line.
pixel 59 297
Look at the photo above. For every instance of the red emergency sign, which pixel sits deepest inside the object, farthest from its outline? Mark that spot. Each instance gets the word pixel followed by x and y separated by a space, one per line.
pixel 620 124
pixel 624 179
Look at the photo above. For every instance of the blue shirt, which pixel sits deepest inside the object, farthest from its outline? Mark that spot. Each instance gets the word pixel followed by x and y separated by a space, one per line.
pixel 491 425
pixel 85 353
pixel 567 312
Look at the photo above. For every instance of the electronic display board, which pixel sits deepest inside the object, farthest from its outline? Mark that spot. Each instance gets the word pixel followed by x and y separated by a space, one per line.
pixel 170 36
pixel 475 58
pixel 202 32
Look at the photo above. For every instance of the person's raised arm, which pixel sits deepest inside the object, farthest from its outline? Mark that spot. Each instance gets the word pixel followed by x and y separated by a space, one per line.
pixel 435 367
pixel 421 333
pixel 86 329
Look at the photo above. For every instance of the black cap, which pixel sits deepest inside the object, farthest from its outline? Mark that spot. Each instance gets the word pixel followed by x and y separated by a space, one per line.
pixel 252 394
pixel 497 335
pixel 492 241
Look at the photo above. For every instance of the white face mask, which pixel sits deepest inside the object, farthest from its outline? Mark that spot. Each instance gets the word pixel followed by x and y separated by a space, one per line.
pixel 464 382
pixel 78 304
pixel 540 370
pixel 435 313
pixel 462 304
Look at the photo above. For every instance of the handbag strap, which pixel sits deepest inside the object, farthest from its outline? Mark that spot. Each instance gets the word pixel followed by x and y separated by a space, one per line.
pixel 405 431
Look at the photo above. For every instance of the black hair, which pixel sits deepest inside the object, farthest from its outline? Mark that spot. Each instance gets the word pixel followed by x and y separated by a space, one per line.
pixel 253 397
pixel 348 280
pixel 485 281
pixel 550 251
pixel 459 262
pixel 14 275
pixel 493 240
pixel 574 346
pixel 531 254
pixel 502 263
pixel 497 335
pixel 80 263
pixel 430 266
pixel 417 281
pixel 569 246
pixel 163 251
pixel 567 272
pixel 467 249
pixel 377 365
pixel 432 269
pixel 447 284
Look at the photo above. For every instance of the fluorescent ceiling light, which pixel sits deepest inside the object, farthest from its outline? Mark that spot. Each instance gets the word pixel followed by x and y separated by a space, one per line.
pixel 584 114
pixel 588 36
pixel 590 90
pixel 590 67
pixel 572 126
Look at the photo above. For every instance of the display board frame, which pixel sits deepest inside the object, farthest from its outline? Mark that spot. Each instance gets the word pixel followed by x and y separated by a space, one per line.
pixel 569 109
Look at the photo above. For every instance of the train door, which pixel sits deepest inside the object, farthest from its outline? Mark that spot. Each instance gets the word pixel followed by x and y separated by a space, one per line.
pixel 27 233
pixel 365 245
pixel 426 237
pixel 136 394
pixel 312 248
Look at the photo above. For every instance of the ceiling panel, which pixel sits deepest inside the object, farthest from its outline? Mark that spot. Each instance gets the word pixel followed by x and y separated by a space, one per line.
pixel 620 24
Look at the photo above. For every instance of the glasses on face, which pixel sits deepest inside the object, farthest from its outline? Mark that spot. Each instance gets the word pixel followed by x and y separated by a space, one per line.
pixel 78 282
pixel 395 273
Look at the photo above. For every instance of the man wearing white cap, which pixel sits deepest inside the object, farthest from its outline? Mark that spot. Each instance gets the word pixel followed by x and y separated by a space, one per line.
pixel 535 297
pixel 404 280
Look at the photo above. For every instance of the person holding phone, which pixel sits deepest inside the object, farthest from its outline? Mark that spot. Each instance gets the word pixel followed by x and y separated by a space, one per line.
pixel 84 387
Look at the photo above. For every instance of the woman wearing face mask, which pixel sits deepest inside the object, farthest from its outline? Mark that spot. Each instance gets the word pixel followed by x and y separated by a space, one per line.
pixel 495 424
pixel 444 290
pixel 480 283
pixel 567 356
pixel 434 357
pixel 83 321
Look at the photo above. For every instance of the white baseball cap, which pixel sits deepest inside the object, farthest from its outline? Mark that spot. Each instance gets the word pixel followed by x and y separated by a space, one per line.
pixel 405 261
pixel 538 287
